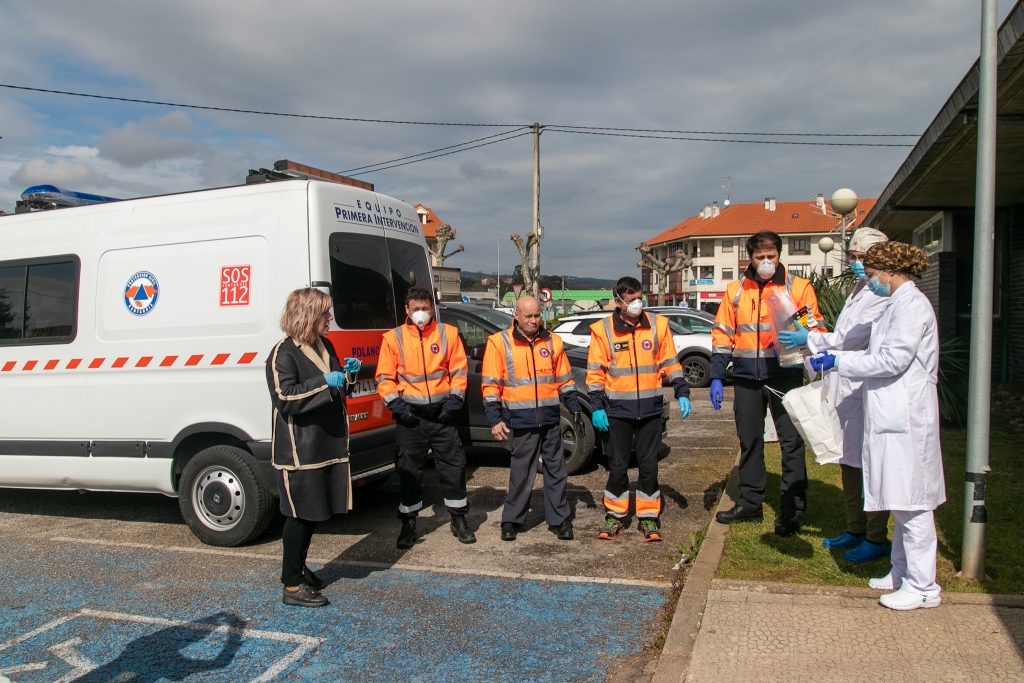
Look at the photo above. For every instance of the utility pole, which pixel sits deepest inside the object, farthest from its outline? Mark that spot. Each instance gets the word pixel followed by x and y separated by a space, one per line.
pixel 979 396
pixel 536 229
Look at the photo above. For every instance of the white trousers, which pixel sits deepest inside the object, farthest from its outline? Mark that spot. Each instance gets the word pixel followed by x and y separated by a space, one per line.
pixel 914 545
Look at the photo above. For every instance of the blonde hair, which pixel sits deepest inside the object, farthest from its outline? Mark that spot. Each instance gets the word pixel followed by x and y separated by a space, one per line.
pixel 302 313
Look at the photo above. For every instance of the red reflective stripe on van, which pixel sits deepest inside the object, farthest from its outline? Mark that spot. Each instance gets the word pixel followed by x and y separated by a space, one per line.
pixel 220 358
pixel 119 363
pixel 9 365
pixel 144 361
pixel 51 364
pixel 29 365
pixel 168 361
pixel 74 363
pixel 194 360
pixel 96 362
pixel 247 358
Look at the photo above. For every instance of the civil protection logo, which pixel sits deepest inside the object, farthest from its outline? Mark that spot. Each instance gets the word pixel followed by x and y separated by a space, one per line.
pixel 646 344
pixel 141 293
pixel 544 353
pixel 434 348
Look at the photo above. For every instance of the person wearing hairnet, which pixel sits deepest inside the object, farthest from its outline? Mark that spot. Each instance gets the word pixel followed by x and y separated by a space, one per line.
pixel 866 534
pixel 901 456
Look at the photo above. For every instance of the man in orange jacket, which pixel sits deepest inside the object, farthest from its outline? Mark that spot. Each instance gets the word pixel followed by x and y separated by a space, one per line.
pixel 525 378
pixel 742 334
pixel 422 375
pixel 630 352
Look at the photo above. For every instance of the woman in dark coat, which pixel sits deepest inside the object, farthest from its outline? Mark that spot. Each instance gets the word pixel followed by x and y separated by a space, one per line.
pixel 310 435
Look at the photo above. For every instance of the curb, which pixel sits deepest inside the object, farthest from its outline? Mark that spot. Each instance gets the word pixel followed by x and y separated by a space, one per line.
pixel 682 634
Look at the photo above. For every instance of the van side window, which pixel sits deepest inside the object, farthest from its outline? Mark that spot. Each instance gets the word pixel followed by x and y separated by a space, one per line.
pixel 38 300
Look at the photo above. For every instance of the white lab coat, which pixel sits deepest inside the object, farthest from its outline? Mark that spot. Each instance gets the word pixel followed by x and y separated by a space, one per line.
pixel 852 333
pixel 902 457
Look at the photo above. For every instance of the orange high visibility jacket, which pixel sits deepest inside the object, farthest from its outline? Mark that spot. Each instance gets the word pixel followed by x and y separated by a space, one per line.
pixel 742 331
pixel 524 380
pixel 626 363
pixel 423 368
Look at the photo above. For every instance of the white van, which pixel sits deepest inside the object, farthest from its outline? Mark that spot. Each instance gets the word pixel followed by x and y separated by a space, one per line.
pixel 133 338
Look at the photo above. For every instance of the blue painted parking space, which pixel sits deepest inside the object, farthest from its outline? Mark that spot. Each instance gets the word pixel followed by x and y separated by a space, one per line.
pixel 99 613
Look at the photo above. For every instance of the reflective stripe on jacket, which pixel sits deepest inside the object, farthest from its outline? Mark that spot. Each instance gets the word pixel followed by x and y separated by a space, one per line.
pixel 626 363
pixel 423 368
pixel 743 329
pixel 524 381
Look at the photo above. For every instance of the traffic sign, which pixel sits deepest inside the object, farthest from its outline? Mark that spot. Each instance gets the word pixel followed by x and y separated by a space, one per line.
pixel 465 298
pixel 517 288
pixel 544 295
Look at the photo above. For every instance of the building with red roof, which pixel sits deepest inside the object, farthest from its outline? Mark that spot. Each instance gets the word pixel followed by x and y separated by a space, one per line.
pixel 715 241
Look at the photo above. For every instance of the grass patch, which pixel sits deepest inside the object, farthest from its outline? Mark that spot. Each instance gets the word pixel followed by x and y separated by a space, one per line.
pixel 754 553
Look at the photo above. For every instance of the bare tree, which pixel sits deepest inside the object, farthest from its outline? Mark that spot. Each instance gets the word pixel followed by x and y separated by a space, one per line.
pixel 445 234
pixel 663 267
pixel 531 273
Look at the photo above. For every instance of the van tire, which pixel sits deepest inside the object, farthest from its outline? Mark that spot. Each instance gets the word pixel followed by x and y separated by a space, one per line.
pixel 222 497
pixel 579 448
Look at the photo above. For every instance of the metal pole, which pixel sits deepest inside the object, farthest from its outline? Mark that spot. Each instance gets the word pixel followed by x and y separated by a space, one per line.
pixel 979 393
pixel 497 278
pixel 534 257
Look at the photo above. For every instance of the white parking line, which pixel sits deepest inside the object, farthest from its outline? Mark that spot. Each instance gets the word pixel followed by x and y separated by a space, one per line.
pixel 561 578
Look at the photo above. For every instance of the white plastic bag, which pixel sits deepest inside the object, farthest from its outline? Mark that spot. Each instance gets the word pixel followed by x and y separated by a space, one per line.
pixel 810 407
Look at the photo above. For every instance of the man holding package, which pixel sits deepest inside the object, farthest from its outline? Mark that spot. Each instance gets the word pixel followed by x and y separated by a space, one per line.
pixel 743 334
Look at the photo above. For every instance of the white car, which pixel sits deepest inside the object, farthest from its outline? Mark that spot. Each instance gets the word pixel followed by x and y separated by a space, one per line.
pixel 691 332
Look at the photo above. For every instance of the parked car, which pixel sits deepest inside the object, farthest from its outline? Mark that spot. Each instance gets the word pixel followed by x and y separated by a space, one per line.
pixel 475 324
pixel 691 332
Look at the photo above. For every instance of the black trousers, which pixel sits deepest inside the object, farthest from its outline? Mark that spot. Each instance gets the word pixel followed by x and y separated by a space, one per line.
pixel 527 446
pixel 751 401
pixel 295 541
pixel 621 433
pixel 413 444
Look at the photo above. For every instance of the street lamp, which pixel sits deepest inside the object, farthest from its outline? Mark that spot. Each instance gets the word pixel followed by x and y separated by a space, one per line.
pixel 564 278
pixel 844 201
pixel 826 244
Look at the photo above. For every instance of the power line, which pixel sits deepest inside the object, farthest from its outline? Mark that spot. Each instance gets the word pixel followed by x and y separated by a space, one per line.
pixel 748 142
pixel 256 111
pixel 482 144
pixel 748 133
pixel 439 149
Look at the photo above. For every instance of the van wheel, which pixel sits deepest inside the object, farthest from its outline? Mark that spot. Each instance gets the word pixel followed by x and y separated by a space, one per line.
pixel 578 444
pixel 222 497
pixel 697 370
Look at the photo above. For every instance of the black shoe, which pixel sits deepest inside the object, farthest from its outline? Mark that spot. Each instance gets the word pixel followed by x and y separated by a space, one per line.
pixel 739 514
pixel 787 527
pixel 407 536
pixel 563 531
pixel 311 579
pixel 508 531
pixel 460 528
pixel 304 597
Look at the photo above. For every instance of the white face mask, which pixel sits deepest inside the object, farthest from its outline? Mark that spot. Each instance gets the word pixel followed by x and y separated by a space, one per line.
pixel 420 318
pixel 635 307
pixel 766 269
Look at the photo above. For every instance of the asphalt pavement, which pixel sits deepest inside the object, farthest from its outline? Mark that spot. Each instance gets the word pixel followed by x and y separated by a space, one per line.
pixel 110 586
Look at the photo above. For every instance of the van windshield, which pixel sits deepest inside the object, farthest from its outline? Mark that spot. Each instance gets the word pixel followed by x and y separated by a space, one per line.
pixel 370 276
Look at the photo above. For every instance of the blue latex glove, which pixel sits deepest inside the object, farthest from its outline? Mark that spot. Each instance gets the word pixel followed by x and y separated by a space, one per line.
pixel 684 406
pixel 822 362
pixel 794 338
pixel 335 378
pixel 600 420
pixel 352 366
pixel 717 394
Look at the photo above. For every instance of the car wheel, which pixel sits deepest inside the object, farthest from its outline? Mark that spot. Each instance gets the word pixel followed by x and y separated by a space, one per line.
pixel 697 370
pixel 577 443
pixel 222 497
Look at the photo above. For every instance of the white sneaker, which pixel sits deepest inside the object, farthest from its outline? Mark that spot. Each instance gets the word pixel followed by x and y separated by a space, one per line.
pixel 905 600
pixel 884 583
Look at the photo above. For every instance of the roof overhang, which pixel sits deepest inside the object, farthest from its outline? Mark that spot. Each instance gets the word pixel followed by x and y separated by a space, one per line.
pixel 939 174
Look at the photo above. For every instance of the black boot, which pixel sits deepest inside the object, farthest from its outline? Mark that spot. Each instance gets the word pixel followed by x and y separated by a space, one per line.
pixel 460 528
pixel 407 536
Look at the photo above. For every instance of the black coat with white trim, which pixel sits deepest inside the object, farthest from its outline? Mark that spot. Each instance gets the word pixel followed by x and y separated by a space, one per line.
pixel 310 426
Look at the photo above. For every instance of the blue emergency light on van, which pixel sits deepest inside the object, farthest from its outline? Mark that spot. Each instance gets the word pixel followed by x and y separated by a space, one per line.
pixel 46 196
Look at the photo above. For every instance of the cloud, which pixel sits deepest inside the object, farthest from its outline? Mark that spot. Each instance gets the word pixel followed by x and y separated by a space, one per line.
pixel 140 142
pixel 62 172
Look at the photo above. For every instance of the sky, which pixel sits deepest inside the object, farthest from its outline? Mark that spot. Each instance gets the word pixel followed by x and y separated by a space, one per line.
pixel 800 66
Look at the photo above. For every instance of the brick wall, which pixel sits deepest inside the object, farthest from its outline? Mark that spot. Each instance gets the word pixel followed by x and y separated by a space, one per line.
pixel 939 284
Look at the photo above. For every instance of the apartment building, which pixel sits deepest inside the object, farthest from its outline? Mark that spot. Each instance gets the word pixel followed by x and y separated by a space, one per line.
pixel 715 241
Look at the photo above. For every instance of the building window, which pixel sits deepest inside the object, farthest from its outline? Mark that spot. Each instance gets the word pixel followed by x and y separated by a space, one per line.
pixel 727 274
pixel 829 271
pixel 706 272
pixel 929 237
pixel 727 246
pixel 705 248
pixel 799 246
pixel 799 270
